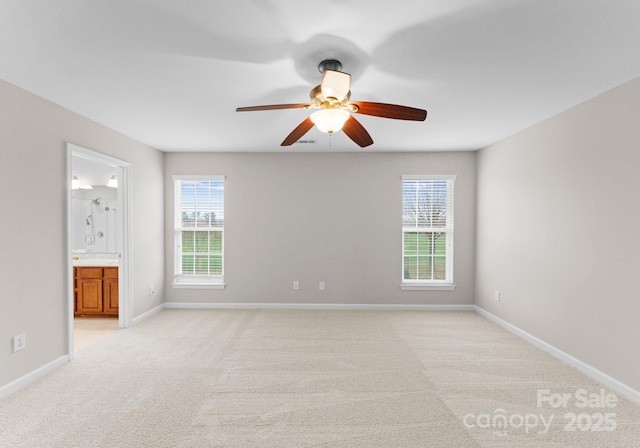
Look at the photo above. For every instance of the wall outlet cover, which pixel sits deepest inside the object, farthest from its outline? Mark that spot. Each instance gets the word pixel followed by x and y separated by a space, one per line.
pixel 19 342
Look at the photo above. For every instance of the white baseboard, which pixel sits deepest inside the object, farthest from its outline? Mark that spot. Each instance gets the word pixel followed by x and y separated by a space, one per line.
pixel 316 306
pixel 148 314
pixel 31 377
pixel 583 367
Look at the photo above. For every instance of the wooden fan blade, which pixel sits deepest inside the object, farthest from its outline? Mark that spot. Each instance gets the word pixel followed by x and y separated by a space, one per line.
pixel 356 132
pixel 272 107
pixel 298 132
pixel 394 111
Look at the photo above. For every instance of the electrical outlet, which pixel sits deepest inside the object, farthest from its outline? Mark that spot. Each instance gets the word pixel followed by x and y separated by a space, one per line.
pixel 296 284
pixel 151 290
pixel 321 287
pixel 496 296
pixel 19 342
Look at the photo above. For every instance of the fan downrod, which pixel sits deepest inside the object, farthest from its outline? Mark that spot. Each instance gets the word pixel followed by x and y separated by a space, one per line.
pixel 329 64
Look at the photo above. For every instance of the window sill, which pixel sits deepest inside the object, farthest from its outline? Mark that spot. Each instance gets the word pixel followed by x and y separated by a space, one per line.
pixel 199 285
pixel 427 287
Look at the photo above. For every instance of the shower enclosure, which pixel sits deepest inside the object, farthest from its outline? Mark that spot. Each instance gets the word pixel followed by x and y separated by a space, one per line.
pixel 94 225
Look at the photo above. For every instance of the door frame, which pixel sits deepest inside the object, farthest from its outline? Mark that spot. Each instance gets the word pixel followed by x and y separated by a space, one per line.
pixel 124 247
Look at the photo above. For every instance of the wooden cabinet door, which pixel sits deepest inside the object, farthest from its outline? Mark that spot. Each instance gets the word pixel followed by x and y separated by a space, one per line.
pixel 110 296
pixel 96 291
pixel 89 295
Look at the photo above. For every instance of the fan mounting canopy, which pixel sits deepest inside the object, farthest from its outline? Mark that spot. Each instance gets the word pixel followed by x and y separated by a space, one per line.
pixel 330 64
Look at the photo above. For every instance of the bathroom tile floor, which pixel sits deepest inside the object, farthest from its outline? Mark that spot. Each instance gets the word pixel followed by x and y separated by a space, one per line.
pixel 88 330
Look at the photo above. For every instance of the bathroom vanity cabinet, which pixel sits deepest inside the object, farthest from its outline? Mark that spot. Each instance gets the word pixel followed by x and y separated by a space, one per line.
pixel 96 291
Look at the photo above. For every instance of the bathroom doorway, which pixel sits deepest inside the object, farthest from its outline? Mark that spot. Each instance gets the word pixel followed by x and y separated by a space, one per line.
pixel 98 243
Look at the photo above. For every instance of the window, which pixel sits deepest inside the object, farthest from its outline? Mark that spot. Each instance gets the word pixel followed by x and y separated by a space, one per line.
pixel 427 232
pixel 199 231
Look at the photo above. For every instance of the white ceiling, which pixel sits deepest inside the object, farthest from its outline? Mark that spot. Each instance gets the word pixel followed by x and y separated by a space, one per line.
pixel 170 74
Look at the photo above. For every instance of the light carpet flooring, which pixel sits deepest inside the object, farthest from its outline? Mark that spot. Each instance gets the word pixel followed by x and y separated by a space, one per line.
pixel 284 378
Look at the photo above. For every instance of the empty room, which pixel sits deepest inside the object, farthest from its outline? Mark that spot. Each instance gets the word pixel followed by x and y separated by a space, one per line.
pixel 331 224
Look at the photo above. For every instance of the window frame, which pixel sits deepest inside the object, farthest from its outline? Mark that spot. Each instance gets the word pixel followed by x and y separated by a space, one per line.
pixel 193 281
pixel 430 284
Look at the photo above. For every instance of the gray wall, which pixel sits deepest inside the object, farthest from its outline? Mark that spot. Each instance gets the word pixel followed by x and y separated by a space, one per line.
pixel 558 220
pixel 332 217
pixel 33 299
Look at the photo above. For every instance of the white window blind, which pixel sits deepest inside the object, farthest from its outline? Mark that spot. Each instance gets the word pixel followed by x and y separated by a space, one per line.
pixel 427 231
pixel 199 230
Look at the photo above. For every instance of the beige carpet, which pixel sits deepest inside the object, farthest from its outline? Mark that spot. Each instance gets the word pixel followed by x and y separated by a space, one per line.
pixel 349 379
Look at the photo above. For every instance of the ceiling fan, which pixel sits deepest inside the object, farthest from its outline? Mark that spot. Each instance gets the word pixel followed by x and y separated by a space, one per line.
pixel 332 99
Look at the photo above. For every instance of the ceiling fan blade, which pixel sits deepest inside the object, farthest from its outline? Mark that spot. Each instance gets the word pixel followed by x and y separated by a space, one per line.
pixel 356 132
pixel 335 84
pixel 385 110
pixel 298 132
pixel 273 107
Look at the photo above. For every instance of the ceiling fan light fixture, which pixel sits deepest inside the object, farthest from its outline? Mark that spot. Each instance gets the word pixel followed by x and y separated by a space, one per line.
pixel 335 85
pixel 333 98
pixel 330 120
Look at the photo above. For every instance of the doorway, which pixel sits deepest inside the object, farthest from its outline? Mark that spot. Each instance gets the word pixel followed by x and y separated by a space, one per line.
pixel 98 240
